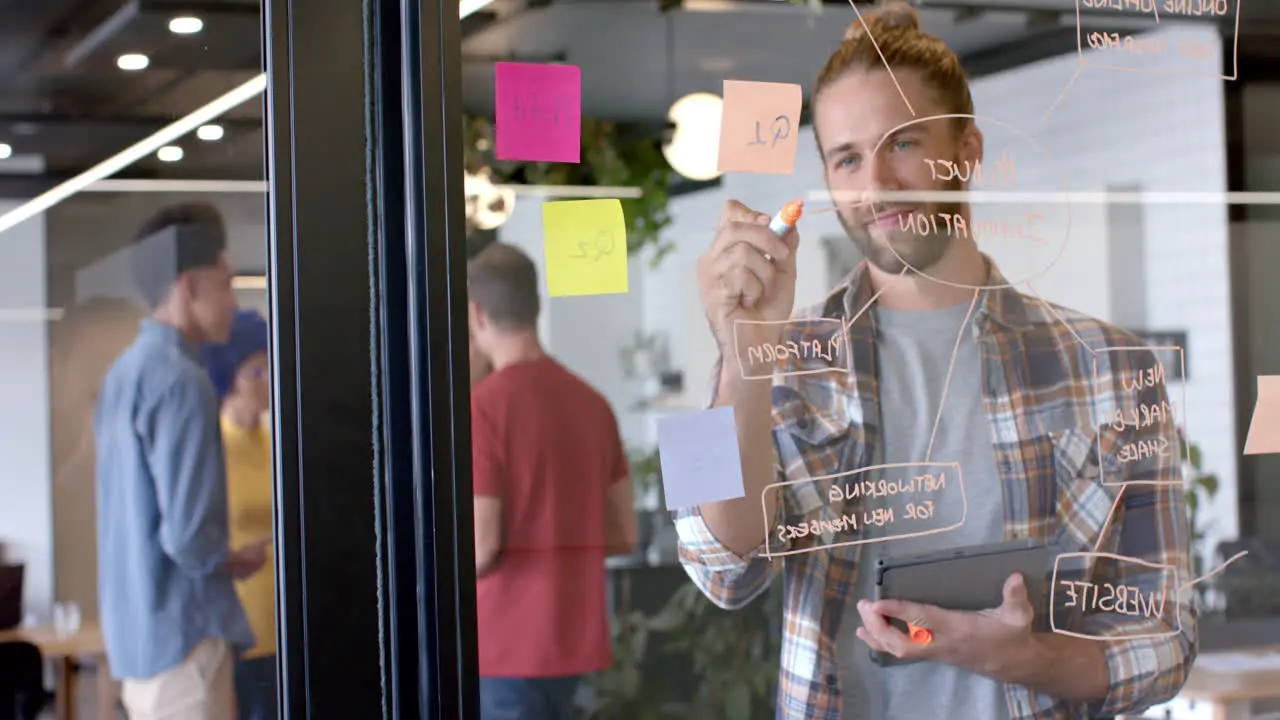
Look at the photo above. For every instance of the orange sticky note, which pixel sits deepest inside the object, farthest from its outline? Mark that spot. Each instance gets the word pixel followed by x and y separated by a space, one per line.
pixel 759 127
pixel 1264 430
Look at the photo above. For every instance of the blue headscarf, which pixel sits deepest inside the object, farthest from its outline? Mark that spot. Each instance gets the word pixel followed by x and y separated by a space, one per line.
pixel 223 361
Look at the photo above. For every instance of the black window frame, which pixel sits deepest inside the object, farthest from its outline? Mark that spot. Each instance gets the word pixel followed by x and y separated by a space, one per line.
pixel 373 526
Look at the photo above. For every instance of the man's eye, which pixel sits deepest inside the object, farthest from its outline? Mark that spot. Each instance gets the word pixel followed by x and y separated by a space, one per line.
pixel 904 144
pixel 847 162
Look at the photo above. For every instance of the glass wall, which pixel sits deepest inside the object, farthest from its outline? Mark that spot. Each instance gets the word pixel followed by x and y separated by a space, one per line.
pixel 133 228
pixel 156 444
pixel 1102 200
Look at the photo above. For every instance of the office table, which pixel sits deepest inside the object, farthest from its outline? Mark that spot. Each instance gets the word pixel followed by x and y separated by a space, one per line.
pixel 66 651
pixel 1230 681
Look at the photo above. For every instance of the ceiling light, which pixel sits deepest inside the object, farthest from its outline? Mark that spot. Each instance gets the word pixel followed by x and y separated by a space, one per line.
pixel 694 147
pixel 488 205
pixel 209 132
pixel 467 7
pixel 181 127
pixel 169 153
pixel 186 25
pixel 6 151
pixel 133 61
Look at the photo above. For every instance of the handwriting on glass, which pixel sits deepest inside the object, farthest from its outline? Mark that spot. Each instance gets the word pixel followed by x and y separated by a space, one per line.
pixel 534 107
pixel 1174 7
pixel 917 509
pixel 1144 415
pixel 595 249
pixel 955 225
pixel 1122 599
pixel 803 350
pixel 948 170
pixel 1149 45
pixel 781 130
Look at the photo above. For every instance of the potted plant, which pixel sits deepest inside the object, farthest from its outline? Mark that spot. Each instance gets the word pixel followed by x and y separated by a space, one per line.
pixel 611 156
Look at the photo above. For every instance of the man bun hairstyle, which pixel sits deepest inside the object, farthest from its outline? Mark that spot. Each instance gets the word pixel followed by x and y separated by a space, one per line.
pixel 895 34
pixel 892 16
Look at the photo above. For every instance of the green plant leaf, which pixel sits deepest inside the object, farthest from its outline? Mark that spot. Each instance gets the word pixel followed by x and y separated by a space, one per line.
pixel 1209 483
pixel 1193 502
pixel 1194 453
pixel 737 702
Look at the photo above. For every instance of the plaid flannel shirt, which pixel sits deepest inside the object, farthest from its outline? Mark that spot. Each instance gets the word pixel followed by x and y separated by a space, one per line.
pixel 1053 445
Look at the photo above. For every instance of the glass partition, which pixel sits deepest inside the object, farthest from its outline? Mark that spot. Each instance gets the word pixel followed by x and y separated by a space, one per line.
pixel 1006 328
pixel 154 451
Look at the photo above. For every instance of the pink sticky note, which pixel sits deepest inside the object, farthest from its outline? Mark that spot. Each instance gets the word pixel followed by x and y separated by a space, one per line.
pixel 538 112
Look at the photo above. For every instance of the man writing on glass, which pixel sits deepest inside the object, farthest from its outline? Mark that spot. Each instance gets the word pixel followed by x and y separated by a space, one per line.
pixel 1019 418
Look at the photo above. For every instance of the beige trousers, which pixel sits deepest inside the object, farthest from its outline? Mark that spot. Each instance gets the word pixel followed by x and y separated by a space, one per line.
pixel 201 688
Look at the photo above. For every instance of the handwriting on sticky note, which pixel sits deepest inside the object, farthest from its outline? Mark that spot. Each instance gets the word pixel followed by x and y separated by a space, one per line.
pixel 585 243
pixel 780 129
pixel 596 249
pixel 759 127
pixel 698 452
pixel 1264 429
pixel 538 112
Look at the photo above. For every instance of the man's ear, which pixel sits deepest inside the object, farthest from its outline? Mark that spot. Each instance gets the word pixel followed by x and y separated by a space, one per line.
pixel 475 316
pixel 972 144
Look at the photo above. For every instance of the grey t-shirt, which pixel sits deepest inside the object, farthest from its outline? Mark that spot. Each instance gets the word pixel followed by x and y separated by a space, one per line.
pixel 914 351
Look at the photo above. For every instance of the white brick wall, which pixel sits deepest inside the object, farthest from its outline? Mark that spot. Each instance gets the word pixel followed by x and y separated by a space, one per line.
pixel 1163 133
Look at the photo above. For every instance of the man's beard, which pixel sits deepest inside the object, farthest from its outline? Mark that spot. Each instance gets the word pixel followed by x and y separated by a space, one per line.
pixel 893 249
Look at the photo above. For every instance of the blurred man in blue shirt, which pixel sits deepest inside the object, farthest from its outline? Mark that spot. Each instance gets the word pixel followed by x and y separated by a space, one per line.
pixel 170 614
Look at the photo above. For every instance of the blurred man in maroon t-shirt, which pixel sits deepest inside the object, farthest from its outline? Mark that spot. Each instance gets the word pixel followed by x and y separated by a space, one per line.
pixel 553 498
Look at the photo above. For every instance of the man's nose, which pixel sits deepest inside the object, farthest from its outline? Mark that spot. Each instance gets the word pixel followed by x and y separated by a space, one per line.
pixel 883 178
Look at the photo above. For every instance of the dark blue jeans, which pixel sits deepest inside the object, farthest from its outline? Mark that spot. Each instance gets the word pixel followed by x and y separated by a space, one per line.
pixel 548 698
pixel 256 688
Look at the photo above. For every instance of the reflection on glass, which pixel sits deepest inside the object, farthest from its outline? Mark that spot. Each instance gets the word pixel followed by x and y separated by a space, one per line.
pixel 132 169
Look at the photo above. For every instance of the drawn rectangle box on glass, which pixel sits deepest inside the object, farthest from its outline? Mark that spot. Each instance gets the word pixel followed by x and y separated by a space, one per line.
pixel 1170 593
pixel 818 502
pixel 770 354
pixel 1179 411
pixel 1232 42
pixel 1166 346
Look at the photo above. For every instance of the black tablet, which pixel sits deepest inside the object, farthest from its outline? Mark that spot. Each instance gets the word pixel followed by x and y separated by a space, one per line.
pixel 970 578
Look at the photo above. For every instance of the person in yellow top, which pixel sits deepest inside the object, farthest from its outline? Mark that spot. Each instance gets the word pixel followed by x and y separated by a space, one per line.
pixel 240 374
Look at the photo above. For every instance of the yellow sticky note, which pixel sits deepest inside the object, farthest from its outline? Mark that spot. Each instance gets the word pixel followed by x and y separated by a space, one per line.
pixel 585 242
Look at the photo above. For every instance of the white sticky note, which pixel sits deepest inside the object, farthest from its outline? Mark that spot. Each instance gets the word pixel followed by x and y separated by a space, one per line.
pixel 698 452
pixel 1264 430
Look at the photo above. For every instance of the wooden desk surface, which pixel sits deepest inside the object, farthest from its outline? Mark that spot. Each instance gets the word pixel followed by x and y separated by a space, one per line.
pixel 87 641
pixel 1240 685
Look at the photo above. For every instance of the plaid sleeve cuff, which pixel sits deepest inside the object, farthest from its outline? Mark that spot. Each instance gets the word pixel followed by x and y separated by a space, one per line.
pixel 699 546
pixel 1148 661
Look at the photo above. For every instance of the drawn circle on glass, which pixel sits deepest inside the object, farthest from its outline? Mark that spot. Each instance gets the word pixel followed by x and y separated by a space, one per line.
pixel 1053 209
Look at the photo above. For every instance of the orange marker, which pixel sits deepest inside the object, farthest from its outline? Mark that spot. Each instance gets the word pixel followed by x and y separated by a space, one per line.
pixel 786 218
pixel 919 635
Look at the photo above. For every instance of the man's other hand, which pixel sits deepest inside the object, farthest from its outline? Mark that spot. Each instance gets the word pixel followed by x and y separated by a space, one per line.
pixel 247 560
pixel 990 642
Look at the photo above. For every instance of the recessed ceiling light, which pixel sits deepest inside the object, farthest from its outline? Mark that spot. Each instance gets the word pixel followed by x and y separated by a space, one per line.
pixel 6 151
pixel 169 153
pixel 186 25
pixel 133 61
pixel 209 132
